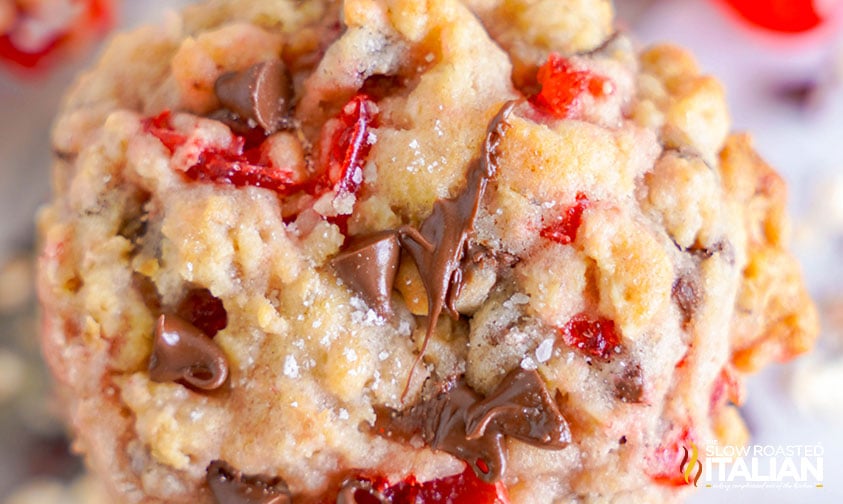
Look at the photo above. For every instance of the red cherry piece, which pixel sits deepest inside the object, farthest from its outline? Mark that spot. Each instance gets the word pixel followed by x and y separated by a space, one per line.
pixel 666 461
pixel 242 163
pixel 204 311
pixel 564 231
pixel 239 168
pixel 788 16
pixel 562 87
pixel 161 128
pixel 463 488
pixel 725 387
pixel 351 139
pixel 594 337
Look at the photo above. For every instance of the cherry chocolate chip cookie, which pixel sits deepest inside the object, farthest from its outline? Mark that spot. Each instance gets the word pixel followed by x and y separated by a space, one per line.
pixel 404 251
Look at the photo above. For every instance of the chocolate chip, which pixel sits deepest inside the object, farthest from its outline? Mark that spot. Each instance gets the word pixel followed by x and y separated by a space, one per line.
pixel 622 440
pixel 238 125
pixel 723 248
pixel 441 423
pixel 460 422
pixel 629 386
pixel 440 244
pixel 147 290
pixel 686 292
pixel 521 407
pixel 262 92
pixel 368 265
pixel 356 491
pixel 230 486
pixel 181 352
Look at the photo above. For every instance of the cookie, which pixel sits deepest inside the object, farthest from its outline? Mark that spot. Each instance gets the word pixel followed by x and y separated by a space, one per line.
pixel 403 251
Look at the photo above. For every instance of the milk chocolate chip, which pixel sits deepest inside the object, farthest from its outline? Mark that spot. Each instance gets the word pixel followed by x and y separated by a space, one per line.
pixel 686 293
pixel 368 265
pixel 262 92
pixel 441 423
pixel 181 352
pixel 230 486
pixel 629 386
pixel 460 422
pixel 521 407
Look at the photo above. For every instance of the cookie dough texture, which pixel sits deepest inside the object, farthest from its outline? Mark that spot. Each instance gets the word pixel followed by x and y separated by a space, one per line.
pixel 681 245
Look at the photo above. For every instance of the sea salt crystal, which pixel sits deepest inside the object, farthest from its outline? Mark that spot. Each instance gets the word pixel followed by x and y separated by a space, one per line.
pixel 544 350
pixel 350 355
pixel 528 363
pixel 291 367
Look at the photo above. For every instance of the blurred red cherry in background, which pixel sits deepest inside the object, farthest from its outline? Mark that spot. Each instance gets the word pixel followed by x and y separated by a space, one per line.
pixel 787 16
pixel 34 34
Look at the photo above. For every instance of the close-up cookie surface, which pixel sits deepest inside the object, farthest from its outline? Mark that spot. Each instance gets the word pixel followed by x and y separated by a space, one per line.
pixel 391 251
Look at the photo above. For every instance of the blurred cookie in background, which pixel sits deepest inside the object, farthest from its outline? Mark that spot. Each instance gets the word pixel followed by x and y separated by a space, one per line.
pixel 35 32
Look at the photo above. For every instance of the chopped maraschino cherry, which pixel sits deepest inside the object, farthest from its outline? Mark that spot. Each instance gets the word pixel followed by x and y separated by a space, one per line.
pixel 204 311
pixel 726 386
pixel 563 86
pixel 245 163
pixel 241 168
pixel 463 488
pixel 161 128
pixel 594 337
pixel 240 164
pixel 350 138
pixel 564 230
pixel 787 16
pixel 666 463
pixel 94 17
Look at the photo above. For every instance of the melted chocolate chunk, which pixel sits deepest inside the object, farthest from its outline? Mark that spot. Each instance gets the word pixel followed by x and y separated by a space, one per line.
pixel 521 407
pixel 441 423
pixel 181 352
pixel 147 290
pixel 460 422
pixel 356 491
pixel 230 486
pixel 629 386
pixel 262 92
pixel 368 265
pixel 686 293
pixel 439 246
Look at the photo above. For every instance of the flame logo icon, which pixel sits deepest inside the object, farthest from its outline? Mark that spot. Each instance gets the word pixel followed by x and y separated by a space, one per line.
pixel 687 466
